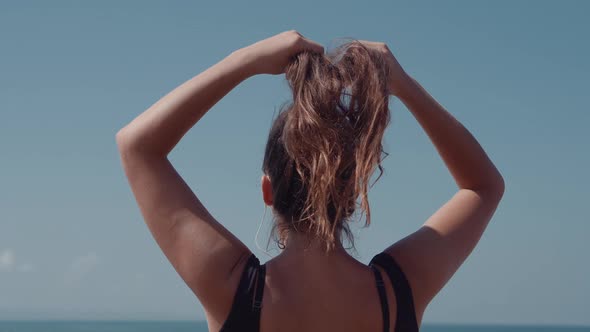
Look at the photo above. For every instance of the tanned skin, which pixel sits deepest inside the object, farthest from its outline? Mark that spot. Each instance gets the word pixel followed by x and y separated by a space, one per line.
pixel 305 290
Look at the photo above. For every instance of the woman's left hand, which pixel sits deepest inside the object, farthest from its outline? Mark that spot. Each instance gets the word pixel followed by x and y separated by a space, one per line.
pixel 271 55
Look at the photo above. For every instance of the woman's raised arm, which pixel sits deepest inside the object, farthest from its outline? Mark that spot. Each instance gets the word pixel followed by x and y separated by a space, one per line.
pixel 431 255
pixel 203 252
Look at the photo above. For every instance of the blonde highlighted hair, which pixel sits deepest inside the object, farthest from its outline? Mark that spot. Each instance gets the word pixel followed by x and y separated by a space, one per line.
pixel 324 147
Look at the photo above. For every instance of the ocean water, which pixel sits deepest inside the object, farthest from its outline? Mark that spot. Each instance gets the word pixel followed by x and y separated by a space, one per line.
pixel 186 326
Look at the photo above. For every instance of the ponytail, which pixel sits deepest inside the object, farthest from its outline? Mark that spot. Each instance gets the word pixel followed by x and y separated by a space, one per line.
pixel 325 146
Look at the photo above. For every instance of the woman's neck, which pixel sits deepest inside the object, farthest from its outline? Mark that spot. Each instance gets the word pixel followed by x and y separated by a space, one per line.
pixel 311 260
pixel 304 245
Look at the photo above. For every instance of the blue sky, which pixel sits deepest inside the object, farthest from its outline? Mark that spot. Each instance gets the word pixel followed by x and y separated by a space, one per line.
pixel 73 244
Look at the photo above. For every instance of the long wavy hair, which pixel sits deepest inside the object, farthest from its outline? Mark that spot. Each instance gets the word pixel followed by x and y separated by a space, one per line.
pixel 325 145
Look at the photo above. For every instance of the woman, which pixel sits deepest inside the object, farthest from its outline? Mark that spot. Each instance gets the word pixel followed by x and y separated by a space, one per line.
pixel 321 152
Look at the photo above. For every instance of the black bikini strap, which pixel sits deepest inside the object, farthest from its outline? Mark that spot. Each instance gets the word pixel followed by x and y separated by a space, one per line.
pixel 247 279
pixel 243 316
pixel 382 298
pixel 406 314
pixel 259 288
pixel 259 292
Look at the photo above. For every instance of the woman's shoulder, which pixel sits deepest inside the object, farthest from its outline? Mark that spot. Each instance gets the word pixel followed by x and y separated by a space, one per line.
pixel 238 282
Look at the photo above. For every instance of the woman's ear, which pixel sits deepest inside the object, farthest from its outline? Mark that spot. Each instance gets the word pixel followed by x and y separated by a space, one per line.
pixel 266 190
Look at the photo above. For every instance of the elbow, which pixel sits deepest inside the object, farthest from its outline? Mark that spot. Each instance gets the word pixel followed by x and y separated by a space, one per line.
pixel 500 187
pixel 495 185
pixel 127 143
pixel 492 187
pixel 123 139
pixel 496 188
pixel 131 143
pixel 123 145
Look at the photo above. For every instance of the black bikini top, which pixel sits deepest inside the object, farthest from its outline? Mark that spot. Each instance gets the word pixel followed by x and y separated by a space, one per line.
pixel 244 315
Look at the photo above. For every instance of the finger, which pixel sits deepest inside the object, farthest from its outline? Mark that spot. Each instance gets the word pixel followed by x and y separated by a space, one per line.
pixel 378 47
pixel 312 46
pixel 368 43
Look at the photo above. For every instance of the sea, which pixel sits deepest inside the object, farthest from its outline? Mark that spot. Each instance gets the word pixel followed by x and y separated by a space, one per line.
pixel 193 326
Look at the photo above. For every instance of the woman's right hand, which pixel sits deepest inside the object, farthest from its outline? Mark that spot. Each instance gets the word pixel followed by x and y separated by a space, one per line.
pixel 399 80
pixel 273 54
